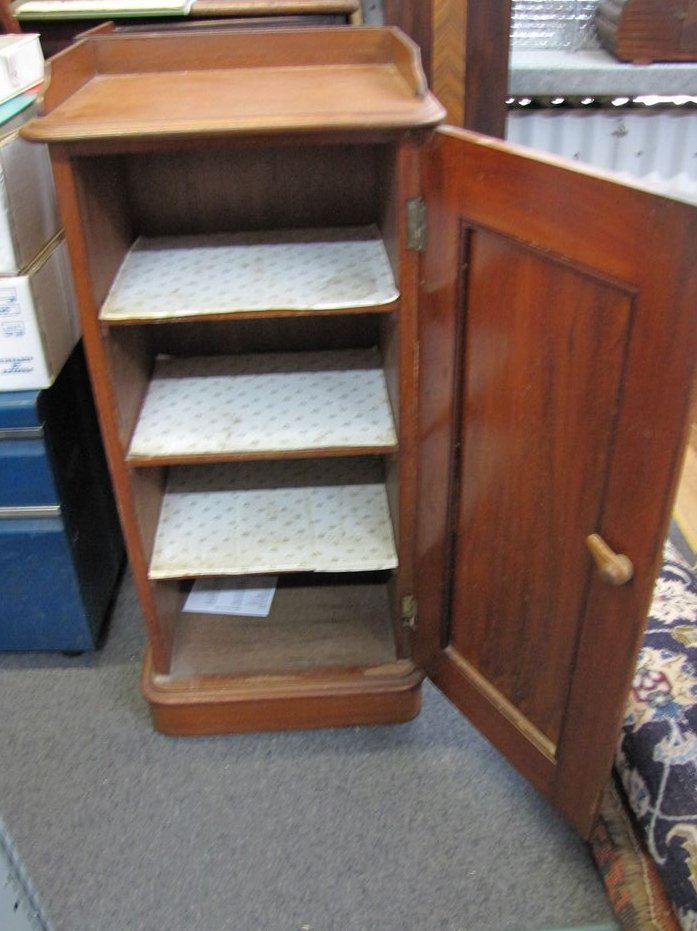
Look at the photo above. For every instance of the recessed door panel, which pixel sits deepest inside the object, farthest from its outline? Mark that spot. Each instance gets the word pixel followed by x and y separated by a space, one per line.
pixel 541 372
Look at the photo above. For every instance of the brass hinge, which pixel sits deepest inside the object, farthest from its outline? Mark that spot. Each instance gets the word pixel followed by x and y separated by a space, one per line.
pixel 416 224
pixel 409 612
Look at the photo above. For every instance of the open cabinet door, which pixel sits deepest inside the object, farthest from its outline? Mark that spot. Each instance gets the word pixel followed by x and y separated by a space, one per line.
pixel 557 341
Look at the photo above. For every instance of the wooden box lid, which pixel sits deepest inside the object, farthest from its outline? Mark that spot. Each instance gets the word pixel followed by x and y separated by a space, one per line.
pixel 226 82
pixel 644 31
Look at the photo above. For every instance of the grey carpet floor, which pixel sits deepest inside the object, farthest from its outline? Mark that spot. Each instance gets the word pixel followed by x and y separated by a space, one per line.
pixel 419 827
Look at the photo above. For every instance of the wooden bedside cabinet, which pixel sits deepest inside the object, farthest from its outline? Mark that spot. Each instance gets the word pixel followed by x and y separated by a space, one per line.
pixel 407 369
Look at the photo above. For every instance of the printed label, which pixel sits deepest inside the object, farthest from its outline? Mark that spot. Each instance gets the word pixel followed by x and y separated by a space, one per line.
pixel 14 328
pixel 17 365
pixel 9 306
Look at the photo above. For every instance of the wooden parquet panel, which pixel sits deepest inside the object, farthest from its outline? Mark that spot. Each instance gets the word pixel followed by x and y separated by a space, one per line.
pixel 464 48
pixel 448 78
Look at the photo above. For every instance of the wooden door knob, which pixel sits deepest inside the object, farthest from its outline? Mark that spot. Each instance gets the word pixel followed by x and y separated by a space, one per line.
pixel 615 568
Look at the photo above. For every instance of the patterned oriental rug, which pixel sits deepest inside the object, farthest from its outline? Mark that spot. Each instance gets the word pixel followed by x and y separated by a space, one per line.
pixel 645 842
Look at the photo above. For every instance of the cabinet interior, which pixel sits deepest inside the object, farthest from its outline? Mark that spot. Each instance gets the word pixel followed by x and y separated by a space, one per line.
pixel 314 368
pixel 317 622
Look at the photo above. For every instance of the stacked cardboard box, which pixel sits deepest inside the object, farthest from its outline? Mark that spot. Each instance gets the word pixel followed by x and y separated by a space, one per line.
pixel 38 318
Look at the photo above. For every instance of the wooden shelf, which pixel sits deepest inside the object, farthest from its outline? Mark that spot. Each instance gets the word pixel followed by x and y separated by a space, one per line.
pixel 310 627
pixel 292 270
pixel 120 88
pixel 245 518
pixel 268 404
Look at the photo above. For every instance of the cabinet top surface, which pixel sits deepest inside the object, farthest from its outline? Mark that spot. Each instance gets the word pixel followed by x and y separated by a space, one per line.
pixel 224 83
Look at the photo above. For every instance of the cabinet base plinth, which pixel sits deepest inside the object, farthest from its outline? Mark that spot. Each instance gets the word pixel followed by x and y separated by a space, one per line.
pixel 218 705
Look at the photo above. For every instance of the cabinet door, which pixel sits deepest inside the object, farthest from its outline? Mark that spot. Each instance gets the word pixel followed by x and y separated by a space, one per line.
pixel 557 342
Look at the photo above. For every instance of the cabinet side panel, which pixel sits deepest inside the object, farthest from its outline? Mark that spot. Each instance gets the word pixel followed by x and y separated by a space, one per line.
pixel 130 365
pixel 92 278
pixel 101 185
pixel 400 355
pixel 439 322
pixel 148 490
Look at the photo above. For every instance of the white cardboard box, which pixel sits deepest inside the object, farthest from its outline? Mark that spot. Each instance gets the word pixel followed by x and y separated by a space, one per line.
pixel 21 64
pixel 28 212
pixel 38 322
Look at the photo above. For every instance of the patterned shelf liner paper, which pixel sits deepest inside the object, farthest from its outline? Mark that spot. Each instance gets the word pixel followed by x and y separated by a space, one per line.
pixel 301 270
pixel 276 402
pixel 326 515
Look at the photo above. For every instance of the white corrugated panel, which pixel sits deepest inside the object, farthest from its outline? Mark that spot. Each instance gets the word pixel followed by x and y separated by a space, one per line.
pixel 657 147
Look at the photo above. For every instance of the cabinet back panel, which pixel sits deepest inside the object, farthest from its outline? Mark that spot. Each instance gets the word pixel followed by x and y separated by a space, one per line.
pixel 278 334
pixel 222 190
